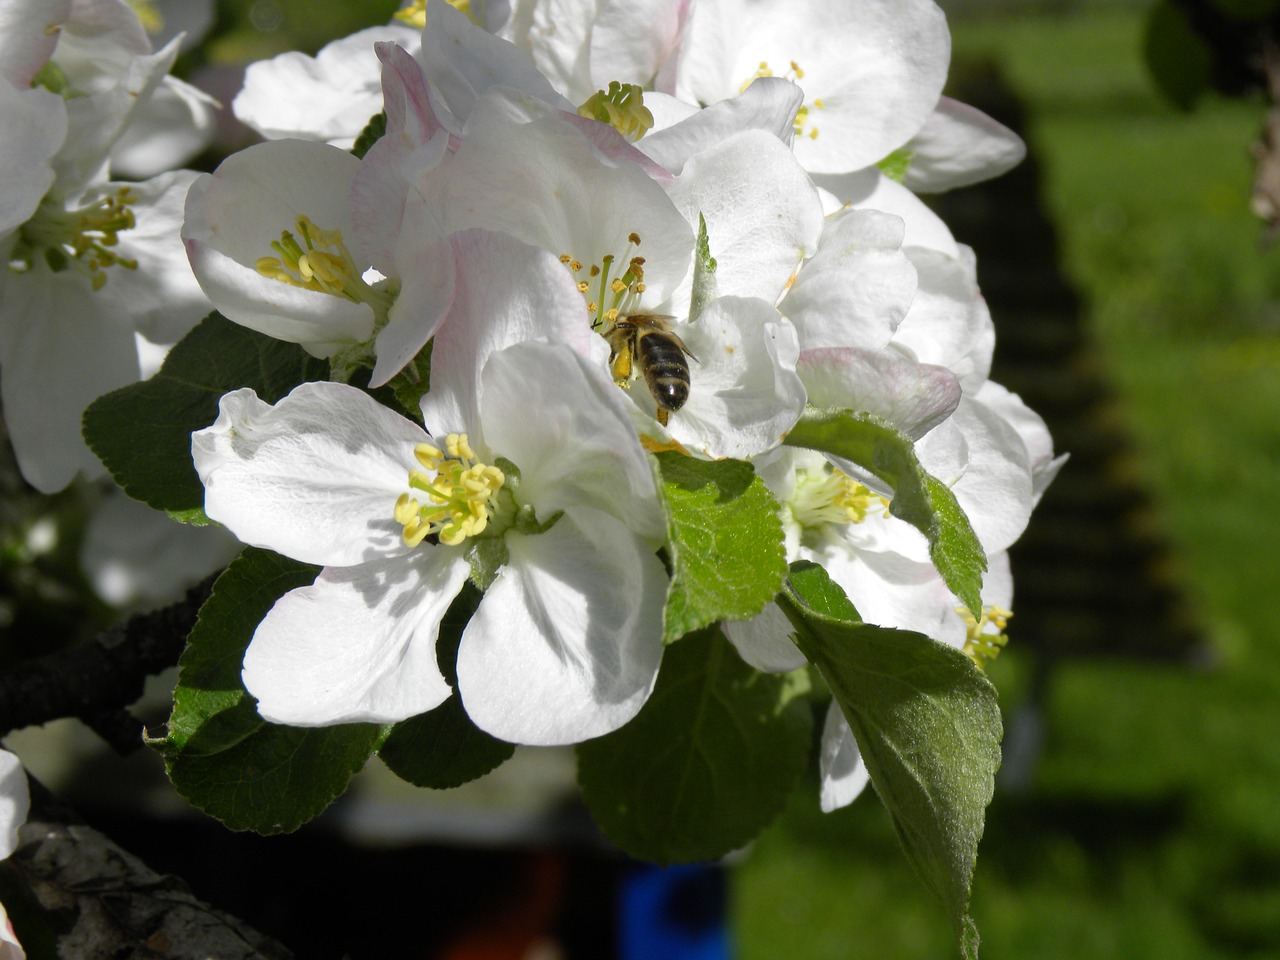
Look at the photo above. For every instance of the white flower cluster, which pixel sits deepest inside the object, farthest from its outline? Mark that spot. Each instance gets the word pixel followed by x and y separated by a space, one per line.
pixel 97 283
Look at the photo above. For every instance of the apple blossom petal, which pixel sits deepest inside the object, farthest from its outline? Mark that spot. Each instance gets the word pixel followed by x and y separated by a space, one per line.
pixel 314 477
pixel 914 397
pixel 61 347
pixel 358 645
pixel 1032 429
pixel 858 287
pixel 558 36
pixel 232 217
pixel 948 323
pixel 545 183
pixel 765 642
pixel 15 801
pixel 744 392
pixel 29 32
pixel 843 774
pixel 329 97
pixel 566 643
pixel 174 125
pixel 10 948
pixel 631 40
pixel 426 294
pixel 871 190
pixel 26 170
pixel 762 213
pixel 568 431
pixel 958 146
pixel 461 61
pixel 506 292
pixel 682 131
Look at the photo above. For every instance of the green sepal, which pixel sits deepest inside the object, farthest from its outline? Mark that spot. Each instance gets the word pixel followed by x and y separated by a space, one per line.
pixel 919 499
pixel 224 758
pixel 927 723
pixel 703 290
pixel 142 432
pixel 724 540
pixel 707 763
pixel 896 164
pixel 373 131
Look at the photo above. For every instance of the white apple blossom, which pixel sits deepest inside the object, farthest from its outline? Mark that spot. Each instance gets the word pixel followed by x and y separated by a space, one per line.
pixel 15 800
pixel 91 263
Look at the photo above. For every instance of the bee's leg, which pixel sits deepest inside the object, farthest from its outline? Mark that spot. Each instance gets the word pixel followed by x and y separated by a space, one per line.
pixel 663 415
pixel 620 367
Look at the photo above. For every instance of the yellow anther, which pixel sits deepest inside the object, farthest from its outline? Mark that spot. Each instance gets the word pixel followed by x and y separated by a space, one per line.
pixel 594 271
pixel 583 286
pixel 81 239
pixel 617 286
pixel 634 240
pixel 320 261
pixel 566 259
pixel 459 495
pixel 826 496
pixel 621 107
pixel 818 104
pixel 982 645
pixel 795 69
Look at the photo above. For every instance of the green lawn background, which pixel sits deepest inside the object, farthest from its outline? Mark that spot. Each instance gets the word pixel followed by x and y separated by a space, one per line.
pixel 1151 829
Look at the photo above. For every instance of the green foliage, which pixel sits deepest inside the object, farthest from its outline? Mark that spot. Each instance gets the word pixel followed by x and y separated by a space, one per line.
pixel 896 164
pixel 707 762
pixel 725 542
pixel 142 432
pixel 919 499
pixel 1179 60
pixel 927 724
pixel 223 757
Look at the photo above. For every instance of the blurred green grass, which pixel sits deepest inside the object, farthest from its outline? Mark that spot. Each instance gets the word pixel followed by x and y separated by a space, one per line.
pixel 1150 829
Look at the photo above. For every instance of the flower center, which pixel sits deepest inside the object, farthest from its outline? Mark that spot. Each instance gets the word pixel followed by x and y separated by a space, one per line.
pixel 982 645
pixel 621 107
pixel 460 493
pixel 616 293
pixel 803 123
pixel 415 14
pixel 79 239
pixel 324 265
pixel 825 496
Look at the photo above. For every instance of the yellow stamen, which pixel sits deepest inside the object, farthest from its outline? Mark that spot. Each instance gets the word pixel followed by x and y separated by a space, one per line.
pixel 321 262
pixel 621 107
pixel 827 496
pixel 459 495
pixel 81 239
pixel 982 645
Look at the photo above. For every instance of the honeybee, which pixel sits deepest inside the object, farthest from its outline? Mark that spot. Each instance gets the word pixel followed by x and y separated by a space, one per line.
pixel 645 340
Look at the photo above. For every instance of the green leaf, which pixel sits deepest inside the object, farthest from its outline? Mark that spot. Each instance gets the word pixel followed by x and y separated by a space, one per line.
pixel 1178 59
pixel 919 499
pixel 708 761
pixel 927 723
pixel 223 757
pixel 896 164
pixel 443 748
pixel 142 432
pixel 373 131
pixel 725 542
pixel 704 273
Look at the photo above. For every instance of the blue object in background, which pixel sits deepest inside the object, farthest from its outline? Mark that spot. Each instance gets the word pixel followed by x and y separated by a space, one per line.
pixel 673 913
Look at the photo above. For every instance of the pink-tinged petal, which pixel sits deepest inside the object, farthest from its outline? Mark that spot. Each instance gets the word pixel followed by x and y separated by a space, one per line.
pixel 559 418
pixel 681 130
pixel 765 641
pixel 461 61
pixel 61 347
pixel 429 278
pixel 26 170
pixel 234 215
pixel 10 948
pixel 631 40
pixel 330 97
pixel 857 288
pixel 358 645
pixel 505 292
pixel 958 146
pixel 762 212
pixel 314 477
pixel 566 643
pixel 840 765
pixel 545 183
pixel 914 397
pixel 14 801
pixel 744 392
pixel 29 31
